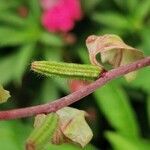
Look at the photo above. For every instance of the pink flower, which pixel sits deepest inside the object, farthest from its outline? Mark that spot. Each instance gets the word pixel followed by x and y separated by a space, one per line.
pixel 60 15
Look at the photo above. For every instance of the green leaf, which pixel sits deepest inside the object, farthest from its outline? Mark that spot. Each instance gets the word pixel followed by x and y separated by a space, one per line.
pixel 88 6
pixel 23 59
pixel 13 135
pixel 35 9
pixel 82 52
pixel 120 142
pixel 120 3
pixel 148 108
pixel 5 5
pixel 115 105
pixel 8 64
pixel 142 80
pixel 112 19
pixel 49 90
pixel 13 37
pixel 52 53
pixel 60 83
pixel 10 36
pixel 51 39
pixel 145 44
pixel 13 67
pixel 132 4
pixel 11 19
pixel 111 30
pixel 6 69
pixel 127 4
pixel 142 10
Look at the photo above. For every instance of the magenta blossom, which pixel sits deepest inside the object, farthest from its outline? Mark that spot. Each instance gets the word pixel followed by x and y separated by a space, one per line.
pixel 60 15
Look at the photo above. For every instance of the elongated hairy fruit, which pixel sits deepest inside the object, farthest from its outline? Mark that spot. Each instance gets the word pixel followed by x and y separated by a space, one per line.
pixel 66 70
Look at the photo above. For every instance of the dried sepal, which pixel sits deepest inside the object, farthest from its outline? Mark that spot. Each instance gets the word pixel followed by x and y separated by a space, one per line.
pixel 4 95
pixel 73 126
pixel 39 120
pixel 112 50
pixel 58 137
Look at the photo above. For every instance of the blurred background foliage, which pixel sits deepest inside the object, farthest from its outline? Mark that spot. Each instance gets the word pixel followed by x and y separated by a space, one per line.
pixel 119 112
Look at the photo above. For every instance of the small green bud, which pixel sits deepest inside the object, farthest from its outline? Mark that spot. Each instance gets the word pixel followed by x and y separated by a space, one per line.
pixel 4 95
pixel 42 134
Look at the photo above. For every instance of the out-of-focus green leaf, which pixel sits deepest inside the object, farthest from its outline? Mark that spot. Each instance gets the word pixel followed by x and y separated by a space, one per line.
pixel 120 3
pixel 142 10
pixel 83 55
pixel 12 67
pixel 142 80
pixel 13 37
pixel 7 68
pixel 131 4
pixel 112 19
pixel 13 135
pixel 148 108
pixel 115 105
pixel 88 6
pixel 49 90
pixel 62 84
pixel 120 142
pixel 69 147
pixel 53 54
pixel 127 4
pixel 51 39
pixel 145 44
pixel 111 30
pixel 35 9
pixel 5 5
pixel 11 19
pixel 23 58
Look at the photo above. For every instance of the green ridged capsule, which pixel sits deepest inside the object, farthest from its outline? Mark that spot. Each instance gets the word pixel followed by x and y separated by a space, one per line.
pixel 66 70
pixel 41 135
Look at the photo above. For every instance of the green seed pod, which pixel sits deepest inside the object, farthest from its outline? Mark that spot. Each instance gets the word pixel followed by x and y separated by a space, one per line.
pixel 66 70
pixel 42 135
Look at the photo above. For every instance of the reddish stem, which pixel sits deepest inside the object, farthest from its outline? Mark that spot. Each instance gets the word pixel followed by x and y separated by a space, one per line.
pixel 75 96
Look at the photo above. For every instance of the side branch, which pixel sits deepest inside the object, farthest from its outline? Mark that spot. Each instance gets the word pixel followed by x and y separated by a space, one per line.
pixel 76 96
